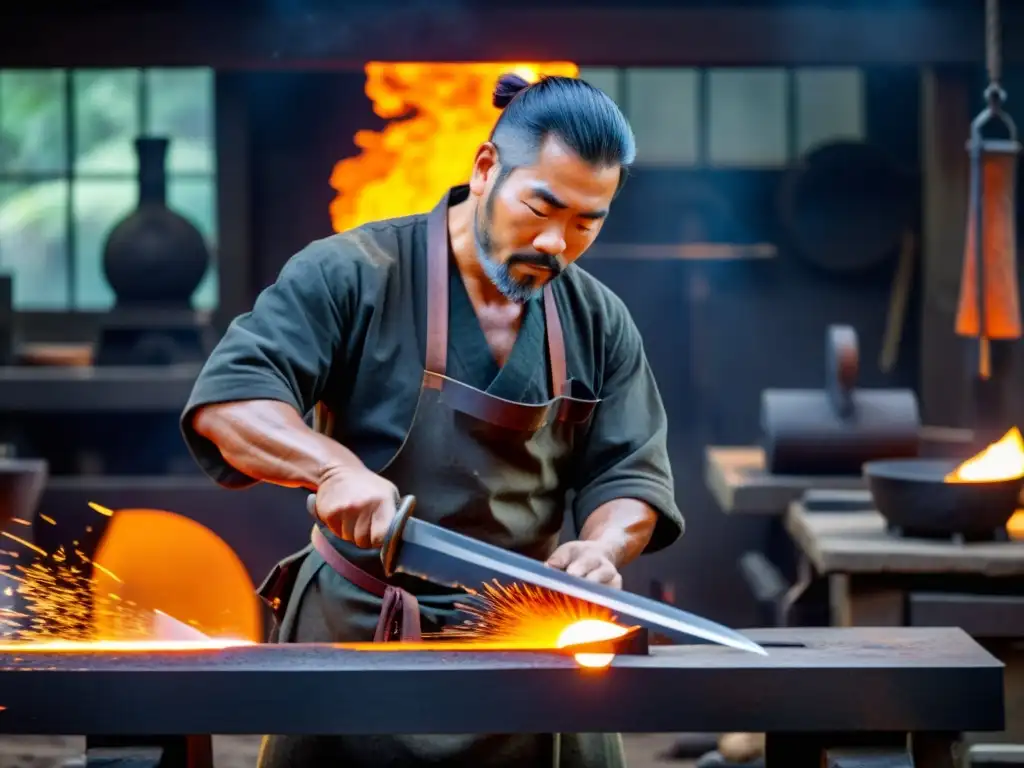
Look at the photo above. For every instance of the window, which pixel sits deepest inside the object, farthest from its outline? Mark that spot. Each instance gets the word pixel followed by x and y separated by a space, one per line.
pixel 747 118
pixel 67 173
pixel 829 106
pixel 734 118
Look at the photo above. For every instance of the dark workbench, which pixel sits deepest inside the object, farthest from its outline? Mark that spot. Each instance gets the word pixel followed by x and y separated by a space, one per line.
pixel 859 682
pixel 874 579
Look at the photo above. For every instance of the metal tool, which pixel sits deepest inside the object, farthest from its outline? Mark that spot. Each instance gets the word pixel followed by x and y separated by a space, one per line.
pixel 427 551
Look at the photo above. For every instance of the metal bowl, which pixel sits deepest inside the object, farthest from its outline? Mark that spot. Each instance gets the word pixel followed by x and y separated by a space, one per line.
pixel 912 495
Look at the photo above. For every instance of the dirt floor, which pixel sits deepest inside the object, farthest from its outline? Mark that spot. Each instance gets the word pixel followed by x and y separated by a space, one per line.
pixel 642 751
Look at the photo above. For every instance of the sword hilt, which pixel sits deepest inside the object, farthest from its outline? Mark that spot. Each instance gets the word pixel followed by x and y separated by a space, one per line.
pixel 392 539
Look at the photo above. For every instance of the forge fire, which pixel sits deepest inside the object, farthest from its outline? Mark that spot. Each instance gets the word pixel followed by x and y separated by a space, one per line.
pixel 435 111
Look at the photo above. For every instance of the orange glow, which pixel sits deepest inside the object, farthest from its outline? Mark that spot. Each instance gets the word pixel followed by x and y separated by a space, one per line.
pixel 530 617
pixel 120 646
pixel 1015 526
pixel 590 631
pixel 169 563
pixel 1003 460
pixel 439 114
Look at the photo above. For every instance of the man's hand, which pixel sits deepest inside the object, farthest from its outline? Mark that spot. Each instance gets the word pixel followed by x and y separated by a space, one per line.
pixel 357 505
pixel 587 559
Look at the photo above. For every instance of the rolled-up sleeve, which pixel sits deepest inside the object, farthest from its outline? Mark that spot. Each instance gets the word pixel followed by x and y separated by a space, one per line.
pixel 281 350
pixel 624 454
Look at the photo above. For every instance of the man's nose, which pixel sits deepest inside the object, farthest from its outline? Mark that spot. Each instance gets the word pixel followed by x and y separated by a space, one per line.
pixel 550 243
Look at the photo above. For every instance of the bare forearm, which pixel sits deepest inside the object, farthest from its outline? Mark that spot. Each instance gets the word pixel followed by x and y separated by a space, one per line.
pixel 269 441
pixel 623 527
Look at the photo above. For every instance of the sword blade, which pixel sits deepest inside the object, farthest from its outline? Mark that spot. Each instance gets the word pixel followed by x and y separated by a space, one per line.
pixel 444 557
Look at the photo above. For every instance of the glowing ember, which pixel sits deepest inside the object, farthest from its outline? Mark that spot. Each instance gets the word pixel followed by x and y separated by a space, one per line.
pixel 590 631
pixel 522 614
pixel 439 113
pixel 1003 460
pixel 530 617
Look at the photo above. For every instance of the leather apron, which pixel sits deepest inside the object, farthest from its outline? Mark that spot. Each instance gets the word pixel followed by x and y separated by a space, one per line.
pixel 490 468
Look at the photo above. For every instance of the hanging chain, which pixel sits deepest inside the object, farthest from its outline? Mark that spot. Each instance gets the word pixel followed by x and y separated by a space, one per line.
pixel 994 93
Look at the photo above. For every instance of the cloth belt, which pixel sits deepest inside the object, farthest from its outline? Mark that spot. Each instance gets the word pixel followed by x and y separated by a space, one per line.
pixel 400 612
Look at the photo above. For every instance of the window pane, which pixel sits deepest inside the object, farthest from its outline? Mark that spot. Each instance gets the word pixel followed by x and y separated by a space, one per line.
pixel 747 120
pixel 829 106
pixel 663 110
pixel 106 120
pixel 33 242
pixel 32 121
pixel 98 206
pixel 196 200
pixel 605 78
pixel 180 106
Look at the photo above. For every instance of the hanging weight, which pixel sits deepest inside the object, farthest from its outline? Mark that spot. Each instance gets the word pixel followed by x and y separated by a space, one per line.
pixel 833 431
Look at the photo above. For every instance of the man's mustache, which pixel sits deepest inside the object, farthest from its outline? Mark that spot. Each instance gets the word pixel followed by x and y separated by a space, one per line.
pixel 541 260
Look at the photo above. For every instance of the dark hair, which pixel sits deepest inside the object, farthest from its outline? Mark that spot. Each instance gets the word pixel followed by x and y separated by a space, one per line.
pixel 579 115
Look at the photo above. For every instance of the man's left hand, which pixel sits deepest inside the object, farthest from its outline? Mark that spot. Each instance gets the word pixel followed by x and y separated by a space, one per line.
pixel 586 559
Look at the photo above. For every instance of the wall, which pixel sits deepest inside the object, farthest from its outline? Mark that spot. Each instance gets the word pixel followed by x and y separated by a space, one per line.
pixel 717 333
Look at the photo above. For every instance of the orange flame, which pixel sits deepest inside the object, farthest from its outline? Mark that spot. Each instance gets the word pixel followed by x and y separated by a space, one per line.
pixel 440 113
pixel 1003 460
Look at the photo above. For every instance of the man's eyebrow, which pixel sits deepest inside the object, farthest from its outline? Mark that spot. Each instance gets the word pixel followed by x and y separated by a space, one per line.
pixel 555 202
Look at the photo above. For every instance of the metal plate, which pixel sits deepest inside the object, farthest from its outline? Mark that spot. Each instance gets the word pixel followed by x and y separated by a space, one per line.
pixel 842 680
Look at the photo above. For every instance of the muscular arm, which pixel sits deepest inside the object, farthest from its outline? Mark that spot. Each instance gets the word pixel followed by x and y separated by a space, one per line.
pixel 268 441
pixel 243 420
pixel 622 527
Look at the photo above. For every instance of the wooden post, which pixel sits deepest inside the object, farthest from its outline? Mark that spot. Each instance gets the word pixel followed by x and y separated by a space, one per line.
pixel 946 99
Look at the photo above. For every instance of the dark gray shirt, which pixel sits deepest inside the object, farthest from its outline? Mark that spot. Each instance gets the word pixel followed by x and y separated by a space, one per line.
pixel 345 323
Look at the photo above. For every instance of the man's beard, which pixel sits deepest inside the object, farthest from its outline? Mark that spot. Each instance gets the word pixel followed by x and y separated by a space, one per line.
pixel 519 290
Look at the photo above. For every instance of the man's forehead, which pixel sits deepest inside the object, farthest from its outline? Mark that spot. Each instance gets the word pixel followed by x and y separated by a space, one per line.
pixel 566 180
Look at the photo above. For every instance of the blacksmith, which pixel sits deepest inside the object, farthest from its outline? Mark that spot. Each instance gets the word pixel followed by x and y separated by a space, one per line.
pixel 461 356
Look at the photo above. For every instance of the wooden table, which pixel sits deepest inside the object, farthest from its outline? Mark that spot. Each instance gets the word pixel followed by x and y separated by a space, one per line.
pixel 738 481
pixel 875 579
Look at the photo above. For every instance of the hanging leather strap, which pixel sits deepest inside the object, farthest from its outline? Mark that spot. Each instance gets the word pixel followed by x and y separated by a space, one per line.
pixel 437 307
pixel 400 612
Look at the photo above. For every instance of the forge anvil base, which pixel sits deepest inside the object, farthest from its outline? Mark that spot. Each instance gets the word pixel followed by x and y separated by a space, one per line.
pixel 812 680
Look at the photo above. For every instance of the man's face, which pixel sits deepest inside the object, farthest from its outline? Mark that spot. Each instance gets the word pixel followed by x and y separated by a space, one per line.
pixel 535 221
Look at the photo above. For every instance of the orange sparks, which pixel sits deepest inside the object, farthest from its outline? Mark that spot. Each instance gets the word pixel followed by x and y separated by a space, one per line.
pixel 22 542
pixel 439 114
pixel 528 616
pixel 101 509
pixel 57 599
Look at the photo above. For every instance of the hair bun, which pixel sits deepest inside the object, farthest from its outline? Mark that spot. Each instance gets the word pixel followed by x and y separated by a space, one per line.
pixel 508 86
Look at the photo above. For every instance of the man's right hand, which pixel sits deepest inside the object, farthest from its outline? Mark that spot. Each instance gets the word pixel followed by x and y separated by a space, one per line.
pixel 357 505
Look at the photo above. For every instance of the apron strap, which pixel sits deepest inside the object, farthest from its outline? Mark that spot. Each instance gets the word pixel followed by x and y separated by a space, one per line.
pixel 437 288
pixel 400 611
pixel 437 306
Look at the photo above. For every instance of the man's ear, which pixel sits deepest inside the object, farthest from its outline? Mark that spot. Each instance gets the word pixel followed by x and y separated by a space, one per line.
pixel 485 166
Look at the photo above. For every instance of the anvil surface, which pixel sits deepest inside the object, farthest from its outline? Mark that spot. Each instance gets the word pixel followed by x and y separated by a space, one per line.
pixel 812 680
